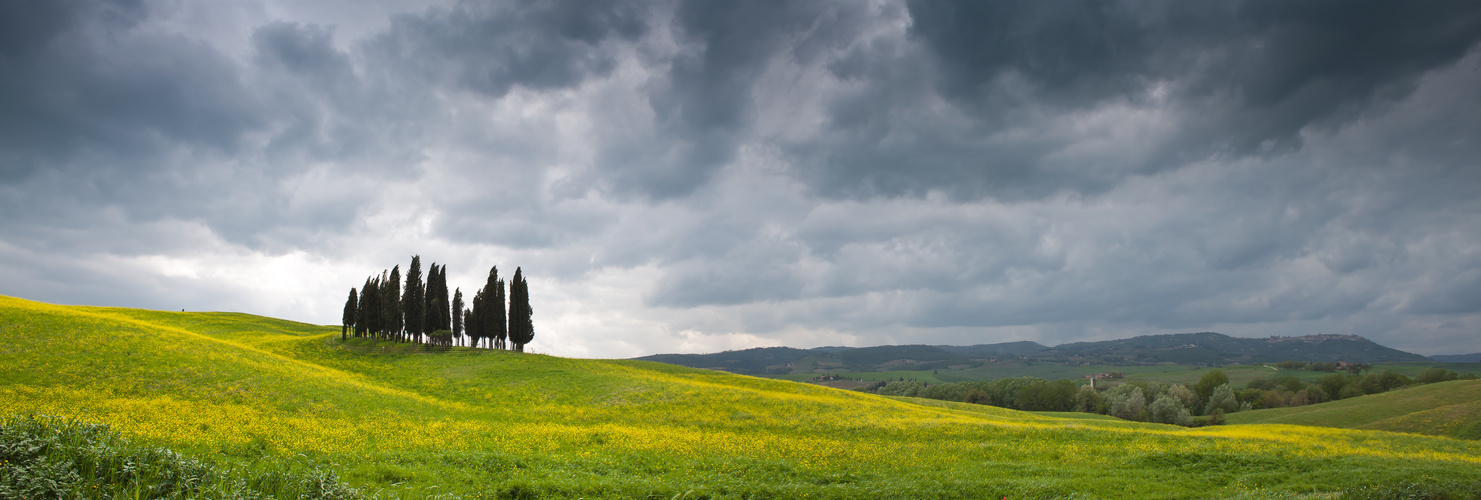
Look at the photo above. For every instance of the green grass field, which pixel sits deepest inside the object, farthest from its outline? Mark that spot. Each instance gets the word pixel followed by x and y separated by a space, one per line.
pixel 1442 409
pixel 396 421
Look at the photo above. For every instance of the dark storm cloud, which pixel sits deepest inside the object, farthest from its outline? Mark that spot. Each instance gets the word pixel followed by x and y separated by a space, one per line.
pixel 1242 78
pixel 703 105
pixel 81 78
pixel 491 48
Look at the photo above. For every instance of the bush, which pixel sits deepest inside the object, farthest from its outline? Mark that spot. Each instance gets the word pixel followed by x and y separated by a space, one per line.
pixel 909 389
pixel 1126 402
pixel 1291 365
pixel 1089 400
pixel 1206 384
pixel 1043 395
pixel 1332 385
pixel 1167 410
pixel 1434 374
pixel 976 396
pixel 43 457
pixel 1222 399
pixel 1185 396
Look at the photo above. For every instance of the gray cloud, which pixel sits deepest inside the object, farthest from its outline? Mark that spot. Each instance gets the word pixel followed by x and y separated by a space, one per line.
pixel 720 175
pixel 1237 78
pixel 491 48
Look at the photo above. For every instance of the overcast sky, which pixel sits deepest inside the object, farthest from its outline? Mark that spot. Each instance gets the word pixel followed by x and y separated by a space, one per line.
pixel 701 176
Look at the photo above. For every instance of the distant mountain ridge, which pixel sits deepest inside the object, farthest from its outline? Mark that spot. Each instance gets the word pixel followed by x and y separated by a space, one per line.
pixel 1203 348
pixel 1457 358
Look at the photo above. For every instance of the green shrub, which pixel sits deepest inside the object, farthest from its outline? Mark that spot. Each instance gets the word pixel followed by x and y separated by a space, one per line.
pixel 1222 399
pixel 1435 374
pixel 44 457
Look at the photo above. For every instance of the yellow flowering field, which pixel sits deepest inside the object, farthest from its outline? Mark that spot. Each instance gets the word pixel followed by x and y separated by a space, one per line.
pixel 404 422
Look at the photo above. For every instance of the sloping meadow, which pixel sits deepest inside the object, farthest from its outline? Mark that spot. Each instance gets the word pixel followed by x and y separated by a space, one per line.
pixel 400 421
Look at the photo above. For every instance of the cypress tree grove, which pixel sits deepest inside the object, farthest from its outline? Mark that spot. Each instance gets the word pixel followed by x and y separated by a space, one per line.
pixel 413 300
pixel 457 314
pixel 352 306
pixel 521 323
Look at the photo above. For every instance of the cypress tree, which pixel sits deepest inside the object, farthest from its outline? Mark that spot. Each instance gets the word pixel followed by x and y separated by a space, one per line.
pixel 348 321
pixel 445 317
pixel 468 321
pixel 457 314
pixel 393 304
pixel 374 312
pixel 429 318
pixel 361 323
pixel 521 322
pixel 413 301
pixel 437 317
pixel 501 322
pixel 474 324
pixel 490 313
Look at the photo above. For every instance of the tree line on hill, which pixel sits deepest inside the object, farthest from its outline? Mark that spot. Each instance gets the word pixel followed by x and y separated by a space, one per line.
pixel 420 312
pixel 1160 402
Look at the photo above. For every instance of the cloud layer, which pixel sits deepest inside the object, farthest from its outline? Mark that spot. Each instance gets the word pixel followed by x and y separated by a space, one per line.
pixel 695 176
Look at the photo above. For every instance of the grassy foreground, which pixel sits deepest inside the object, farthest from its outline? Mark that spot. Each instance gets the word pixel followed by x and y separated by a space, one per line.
pixel 249 392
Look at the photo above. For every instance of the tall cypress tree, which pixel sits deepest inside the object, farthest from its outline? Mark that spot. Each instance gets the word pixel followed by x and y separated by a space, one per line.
pixel 429 318
pixel 437 293
pixel 457 314
pixel 375 312
pixel 490 312
pixel 413 301
pixel 501 321
pixel 393 304
pixel 475 324
pixel 521 323
pixel 362 324
pixel 444 316
pixel 352 305
pixel 468 321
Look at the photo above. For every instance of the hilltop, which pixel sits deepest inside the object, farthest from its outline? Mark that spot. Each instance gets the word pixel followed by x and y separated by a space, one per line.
pixel 397 420
pixel 1192 349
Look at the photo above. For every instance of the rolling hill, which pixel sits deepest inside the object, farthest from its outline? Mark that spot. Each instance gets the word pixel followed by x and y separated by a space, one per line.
pixel 1188 349
pixel 399 421
pixel 1450 409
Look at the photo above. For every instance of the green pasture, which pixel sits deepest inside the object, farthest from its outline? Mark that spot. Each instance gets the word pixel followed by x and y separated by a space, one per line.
pixel 1441 409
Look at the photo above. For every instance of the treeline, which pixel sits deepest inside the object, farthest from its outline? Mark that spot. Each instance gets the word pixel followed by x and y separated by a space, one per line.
pixel 1160 402
pixel 421 312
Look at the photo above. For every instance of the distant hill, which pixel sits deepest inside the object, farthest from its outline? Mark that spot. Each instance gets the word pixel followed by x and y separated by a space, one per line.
pixel 1199 349
pixel 764 360
pixel 1457 358
pixel 1451 409
pixel 1208 348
